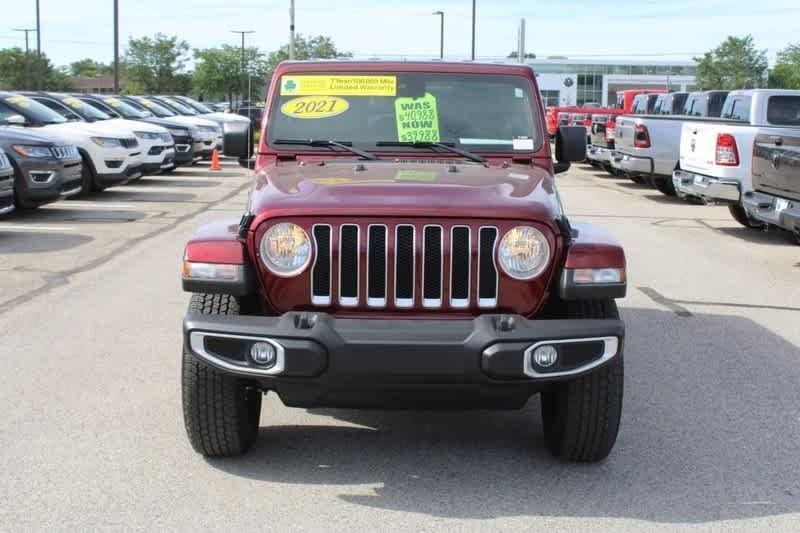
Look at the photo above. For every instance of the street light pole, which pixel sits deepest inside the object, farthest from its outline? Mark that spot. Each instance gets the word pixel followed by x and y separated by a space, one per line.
pixel 241 64
pixel 473 30
pixel 116 46
pixel 291 29
pixel 38 48
pixel 441 33
pixel 27 58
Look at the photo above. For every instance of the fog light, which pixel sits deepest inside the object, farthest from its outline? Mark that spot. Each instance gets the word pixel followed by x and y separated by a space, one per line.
pixel 545 356
pixel 263 354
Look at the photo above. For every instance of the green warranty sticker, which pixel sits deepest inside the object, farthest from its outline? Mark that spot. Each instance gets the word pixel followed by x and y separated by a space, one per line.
pixel 417 119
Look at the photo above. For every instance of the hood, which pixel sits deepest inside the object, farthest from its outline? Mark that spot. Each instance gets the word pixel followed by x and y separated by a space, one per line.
pixel 165 122
pixel 223 118
pixel 70 129
pixel 14 135
pixel 193 121
pixel 135 125
pixel 414 188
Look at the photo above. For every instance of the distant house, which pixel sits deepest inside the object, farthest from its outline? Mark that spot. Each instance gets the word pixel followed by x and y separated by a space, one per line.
pixel 103 84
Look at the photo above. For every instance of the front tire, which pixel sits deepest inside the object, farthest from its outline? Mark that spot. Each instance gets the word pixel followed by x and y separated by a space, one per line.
pixel 581 417
pixel 665 186
pixel 220 412
pixel 740 215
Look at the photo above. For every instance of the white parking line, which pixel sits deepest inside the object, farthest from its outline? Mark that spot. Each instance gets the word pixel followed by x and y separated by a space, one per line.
pixel 93 205
pixel 28 227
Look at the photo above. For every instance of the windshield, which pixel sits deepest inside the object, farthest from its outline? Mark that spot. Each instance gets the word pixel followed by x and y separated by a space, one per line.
pixel 178 106
pixel 494 113
pixel 125 109
pixel 83 109
pixel 32 110
pixel 199 106
pixel 155 108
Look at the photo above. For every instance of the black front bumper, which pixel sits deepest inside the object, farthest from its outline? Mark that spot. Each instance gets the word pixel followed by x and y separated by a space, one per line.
pixel 334 362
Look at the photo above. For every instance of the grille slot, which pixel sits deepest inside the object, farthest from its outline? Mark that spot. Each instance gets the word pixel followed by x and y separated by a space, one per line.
pixel 459 267
pixel 321 273
pixel 432 267
pixel 487 272
pixel 348 265
pixel 376 266
pixel 404 266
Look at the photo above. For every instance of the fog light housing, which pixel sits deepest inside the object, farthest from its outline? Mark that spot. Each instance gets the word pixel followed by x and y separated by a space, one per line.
pixel 545 356
pixel 264 354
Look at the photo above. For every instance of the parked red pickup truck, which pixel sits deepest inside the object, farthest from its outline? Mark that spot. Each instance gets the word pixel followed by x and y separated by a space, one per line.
pixel 404 245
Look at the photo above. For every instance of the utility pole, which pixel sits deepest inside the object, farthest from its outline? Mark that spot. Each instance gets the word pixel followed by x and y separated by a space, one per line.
pixel 291 29
pixel 441 33
pixel 38 48
pixel 241 64
pixel 116 46
pixel 27 58
pixel 521 41
pixel 473 30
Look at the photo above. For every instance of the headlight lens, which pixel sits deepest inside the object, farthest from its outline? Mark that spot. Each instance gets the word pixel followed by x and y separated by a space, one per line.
pixel 149 135
pixel 286 249
pixel 523 253
pixel 179 133
pixel 33 151
pixel 107 142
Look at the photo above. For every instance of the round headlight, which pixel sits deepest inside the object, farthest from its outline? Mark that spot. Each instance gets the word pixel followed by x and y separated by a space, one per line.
pixel 286 249
pixel 523 253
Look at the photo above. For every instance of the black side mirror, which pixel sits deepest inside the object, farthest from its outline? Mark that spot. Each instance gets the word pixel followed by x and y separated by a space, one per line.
pixel 237 140
pixel 570 146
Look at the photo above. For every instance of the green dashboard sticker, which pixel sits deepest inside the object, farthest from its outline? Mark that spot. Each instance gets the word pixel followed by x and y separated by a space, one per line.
pixel 417 119
pixel 415 175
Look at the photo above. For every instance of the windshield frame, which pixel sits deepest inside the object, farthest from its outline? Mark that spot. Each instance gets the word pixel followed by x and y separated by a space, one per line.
pixel 40 114
pixel 176 105
pixel 85 111
pixel 496 72
pixel 200 107
pixel 126 110
pixel 163 111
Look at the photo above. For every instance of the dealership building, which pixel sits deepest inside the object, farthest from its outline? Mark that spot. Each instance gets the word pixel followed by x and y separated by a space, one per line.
pixel 577 81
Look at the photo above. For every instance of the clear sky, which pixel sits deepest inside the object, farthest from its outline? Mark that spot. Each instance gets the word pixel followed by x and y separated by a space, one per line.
pixel 657 29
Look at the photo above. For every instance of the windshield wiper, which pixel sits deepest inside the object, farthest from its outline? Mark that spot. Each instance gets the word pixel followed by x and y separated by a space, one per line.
pixel 449 146
pixel 344 145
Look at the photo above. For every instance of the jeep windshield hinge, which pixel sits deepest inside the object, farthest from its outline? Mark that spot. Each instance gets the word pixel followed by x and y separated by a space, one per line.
pixel 244 224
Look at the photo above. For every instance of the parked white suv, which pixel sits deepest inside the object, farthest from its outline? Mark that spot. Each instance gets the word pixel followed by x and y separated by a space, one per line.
pixel 110 158
pixel 158 148
pixel 209 132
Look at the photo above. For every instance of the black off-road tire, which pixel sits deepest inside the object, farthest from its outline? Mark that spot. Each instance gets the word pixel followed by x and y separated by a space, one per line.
pixel 636 179
pixel 740 215
pixel 664 185
pixel 221 412
pixel 581 417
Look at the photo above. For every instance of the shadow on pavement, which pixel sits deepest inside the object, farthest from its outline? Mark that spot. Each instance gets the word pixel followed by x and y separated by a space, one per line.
pixel 26 242
pixel 157 181
pixel 123 194
pixel 708 433
pixel 771 236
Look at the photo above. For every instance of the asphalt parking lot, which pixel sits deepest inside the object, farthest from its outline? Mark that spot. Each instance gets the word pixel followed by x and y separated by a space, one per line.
pixel 92 435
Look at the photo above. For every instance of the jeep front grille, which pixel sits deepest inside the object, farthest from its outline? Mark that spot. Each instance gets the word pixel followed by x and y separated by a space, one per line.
pixel 65 152
pixel 392 257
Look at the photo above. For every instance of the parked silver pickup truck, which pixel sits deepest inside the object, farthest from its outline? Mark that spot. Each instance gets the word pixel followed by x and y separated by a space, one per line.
pixel 716 157
pixel 648 146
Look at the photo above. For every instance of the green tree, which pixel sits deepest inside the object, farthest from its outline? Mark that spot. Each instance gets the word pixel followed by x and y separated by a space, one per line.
pixel 319 47
pixel 786 74
pixel 734 64
pixel 217 72
pixel 19 70
pixel 156 64
pixel 90 68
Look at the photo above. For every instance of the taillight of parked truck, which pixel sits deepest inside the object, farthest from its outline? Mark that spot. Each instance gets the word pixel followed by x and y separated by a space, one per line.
pixel 727 151
pixel 611 130
pixel 641 137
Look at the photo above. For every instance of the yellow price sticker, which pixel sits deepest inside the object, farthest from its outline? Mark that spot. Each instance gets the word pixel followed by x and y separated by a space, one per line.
pixel 19 100
pixel 147 103
pixel 113 102
pixel 315 107
pixel 310 85
pixel 73 102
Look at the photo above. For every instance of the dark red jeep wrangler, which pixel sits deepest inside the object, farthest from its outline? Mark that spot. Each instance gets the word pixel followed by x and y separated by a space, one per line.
pixel 404 246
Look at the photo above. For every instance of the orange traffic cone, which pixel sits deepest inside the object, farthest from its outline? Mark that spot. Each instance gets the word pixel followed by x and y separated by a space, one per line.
pixel 215 160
